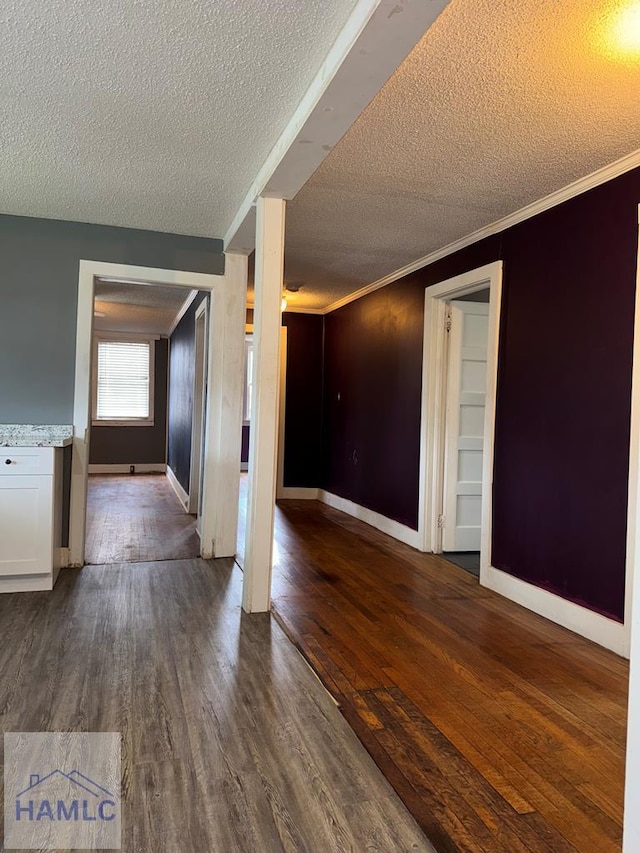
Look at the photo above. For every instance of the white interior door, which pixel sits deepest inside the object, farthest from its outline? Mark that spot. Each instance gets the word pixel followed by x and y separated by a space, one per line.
pixel 464 426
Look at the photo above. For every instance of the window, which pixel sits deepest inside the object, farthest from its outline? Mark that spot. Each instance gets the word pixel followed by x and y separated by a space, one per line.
pixel 248 378
pixel 123 382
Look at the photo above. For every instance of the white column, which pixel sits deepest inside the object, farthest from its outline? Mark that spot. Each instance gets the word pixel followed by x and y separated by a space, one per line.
pixel 225 392
pixel 263 443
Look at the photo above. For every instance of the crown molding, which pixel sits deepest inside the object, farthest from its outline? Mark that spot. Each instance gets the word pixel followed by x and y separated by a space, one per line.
pixel 296 309
pixel 183 310
pixel 582 185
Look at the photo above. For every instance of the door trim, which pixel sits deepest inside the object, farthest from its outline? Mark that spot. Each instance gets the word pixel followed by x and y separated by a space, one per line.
pixel 223 413
pixel 631 826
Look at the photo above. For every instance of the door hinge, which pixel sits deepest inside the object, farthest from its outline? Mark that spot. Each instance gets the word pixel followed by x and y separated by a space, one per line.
pixel 447 321
pixel 441 521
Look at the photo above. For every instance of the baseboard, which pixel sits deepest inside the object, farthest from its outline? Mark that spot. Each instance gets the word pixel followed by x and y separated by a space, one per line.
pixel 606 632
pixel 297 493
pixel 380 522
pixel 183 497
pixel 27 583
pixel 141 468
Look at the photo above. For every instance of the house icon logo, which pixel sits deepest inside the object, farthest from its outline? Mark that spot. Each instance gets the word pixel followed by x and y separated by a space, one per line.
pixel 62 791
pixel 85 799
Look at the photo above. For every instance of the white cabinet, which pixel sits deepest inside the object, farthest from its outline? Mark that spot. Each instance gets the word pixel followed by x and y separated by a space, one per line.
pixel 30 517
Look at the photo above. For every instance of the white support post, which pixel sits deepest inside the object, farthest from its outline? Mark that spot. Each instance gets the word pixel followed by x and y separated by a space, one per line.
pixel 263 444
pixel 225 386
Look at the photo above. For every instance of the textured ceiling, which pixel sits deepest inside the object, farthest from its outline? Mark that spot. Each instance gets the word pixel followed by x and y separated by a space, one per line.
pixel 500 103
pixel 144 308
pixel 152 114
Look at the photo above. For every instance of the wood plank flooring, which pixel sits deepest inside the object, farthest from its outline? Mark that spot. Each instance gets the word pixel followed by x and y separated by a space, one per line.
pixel 133 519
pixel 500 731
pixel 229 741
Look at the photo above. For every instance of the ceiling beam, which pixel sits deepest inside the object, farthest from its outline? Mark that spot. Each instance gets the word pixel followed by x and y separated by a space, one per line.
pixel 375 40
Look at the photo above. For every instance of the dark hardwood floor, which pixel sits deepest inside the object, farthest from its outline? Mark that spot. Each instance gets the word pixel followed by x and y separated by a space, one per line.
pixel 500 731
pixel 229 742
pixel 133 519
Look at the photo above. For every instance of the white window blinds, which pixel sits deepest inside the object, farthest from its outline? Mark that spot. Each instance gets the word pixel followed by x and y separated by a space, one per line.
pixel 123 380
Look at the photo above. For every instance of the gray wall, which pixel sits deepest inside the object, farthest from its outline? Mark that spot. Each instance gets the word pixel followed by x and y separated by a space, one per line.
pixel 39 262
pixel 131 445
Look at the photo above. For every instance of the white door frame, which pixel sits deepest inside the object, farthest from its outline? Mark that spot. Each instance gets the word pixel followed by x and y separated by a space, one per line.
pixel 199 402
pixel 631 836
pixel 432 424
pixel 223 414
pixel 282 406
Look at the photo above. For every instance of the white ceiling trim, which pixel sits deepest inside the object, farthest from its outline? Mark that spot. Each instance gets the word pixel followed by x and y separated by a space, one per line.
pixel 185 307
pixel 375 40
pixel 582 185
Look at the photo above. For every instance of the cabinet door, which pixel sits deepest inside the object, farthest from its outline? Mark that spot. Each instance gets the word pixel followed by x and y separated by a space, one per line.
pixel 25 525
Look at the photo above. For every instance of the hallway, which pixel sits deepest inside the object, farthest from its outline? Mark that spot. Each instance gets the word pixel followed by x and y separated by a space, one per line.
pixel 499 730
pixel 136 519
pixel 229 742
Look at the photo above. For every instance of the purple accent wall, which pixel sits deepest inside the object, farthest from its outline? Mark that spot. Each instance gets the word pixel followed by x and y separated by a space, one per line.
pixel 303 400
pixel 563 407
pixel 564 397
pixel 244 451
pixel 182 370
pixel 373 386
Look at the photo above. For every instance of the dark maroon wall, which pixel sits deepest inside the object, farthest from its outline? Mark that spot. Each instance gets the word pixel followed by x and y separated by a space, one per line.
pixel 564 397
pixel 373 361
pixel 303 401
pixel 563 406
pixel 244 451
pixel 182 370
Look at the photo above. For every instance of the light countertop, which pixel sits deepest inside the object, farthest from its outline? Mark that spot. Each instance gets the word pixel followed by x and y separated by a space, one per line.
pixel 35 435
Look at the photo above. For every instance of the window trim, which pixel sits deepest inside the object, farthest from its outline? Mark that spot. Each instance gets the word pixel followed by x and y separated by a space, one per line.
pixel 123 337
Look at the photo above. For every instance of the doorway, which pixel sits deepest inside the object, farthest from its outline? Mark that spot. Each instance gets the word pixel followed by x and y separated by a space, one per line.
pixel 220 482
pixel 138 430
pixel 458 412
pixel 465 399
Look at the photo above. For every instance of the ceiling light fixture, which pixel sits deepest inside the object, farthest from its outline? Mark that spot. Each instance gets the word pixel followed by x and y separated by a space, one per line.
pixel 624 30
